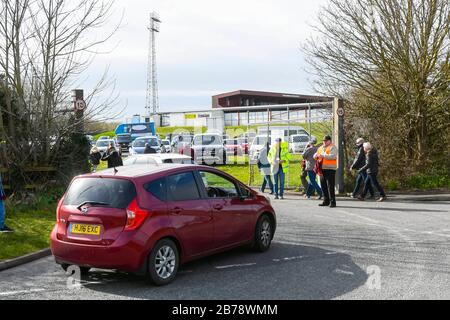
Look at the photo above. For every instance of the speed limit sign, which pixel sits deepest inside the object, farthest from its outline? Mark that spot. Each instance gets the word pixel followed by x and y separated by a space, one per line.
pixel 80 105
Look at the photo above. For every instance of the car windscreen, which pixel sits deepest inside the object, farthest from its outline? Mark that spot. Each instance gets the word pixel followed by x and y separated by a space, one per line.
pixel 123 138
pixel 103 143
pixel 300 139
pixel 207 140
pixel 165 142
pixel 109 192
pixel 140 143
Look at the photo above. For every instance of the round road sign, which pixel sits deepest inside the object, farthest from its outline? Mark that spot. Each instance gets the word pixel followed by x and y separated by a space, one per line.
pixel 80 105
pixel 340 112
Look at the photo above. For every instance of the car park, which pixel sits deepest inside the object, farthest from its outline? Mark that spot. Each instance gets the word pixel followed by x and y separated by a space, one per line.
pixel 138 145
pixel 233 147
pixel 103 145
pixel 165 146
pixel 124 141
pixel 158 158
pixel 181 144
pixel 209 149
pixel 151 219
pixel 298 143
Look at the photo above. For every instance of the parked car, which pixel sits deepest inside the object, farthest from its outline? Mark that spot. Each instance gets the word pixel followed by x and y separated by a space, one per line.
pixel 104 138
pixel 138 145
pixel 233 147
pixel 298 143
pixel 158 158
pixel 151 219
pixel 244 144
pixel 208 149
pixel 124 141
pixel 258 143
pixel 165 146
pixel 103 145
pixel 181 144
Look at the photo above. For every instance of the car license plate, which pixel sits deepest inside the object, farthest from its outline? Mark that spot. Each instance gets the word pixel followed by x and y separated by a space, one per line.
pixel 76 228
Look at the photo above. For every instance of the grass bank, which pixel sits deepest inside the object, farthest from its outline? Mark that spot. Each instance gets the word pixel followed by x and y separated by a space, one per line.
pixel 32 223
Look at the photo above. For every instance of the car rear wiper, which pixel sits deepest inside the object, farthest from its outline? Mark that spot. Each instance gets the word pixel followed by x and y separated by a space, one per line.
pixel 92 203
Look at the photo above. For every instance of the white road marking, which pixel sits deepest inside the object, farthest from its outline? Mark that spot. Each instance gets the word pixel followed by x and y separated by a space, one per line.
pixel 12 293
pixel 349 273
pixel 235 266
pixel 289 258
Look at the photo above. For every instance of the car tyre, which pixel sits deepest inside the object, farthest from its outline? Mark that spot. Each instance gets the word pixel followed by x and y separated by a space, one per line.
pixel 263 234
pixel 163 262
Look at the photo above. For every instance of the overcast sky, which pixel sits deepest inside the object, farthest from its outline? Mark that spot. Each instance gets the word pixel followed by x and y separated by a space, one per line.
pixel 208 47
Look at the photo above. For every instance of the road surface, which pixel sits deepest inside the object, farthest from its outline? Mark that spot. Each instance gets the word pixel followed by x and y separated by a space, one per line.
pixel 399 249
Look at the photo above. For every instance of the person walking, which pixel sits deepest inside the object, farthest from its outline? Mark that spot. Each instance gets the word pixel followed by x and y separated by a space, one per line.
pixel 279 157
pixel 303 177
pixel 113 157
pixel 326 155
pixel 358 163
pixel 95 157
pixel 3 227
pixel 264 167
pixel 308 156
pixel 372 165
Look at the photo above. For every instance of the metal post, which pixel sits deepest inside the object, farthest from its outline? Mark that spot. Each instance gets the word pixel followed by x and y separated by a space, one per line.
pixel 289 137
pixel 339 140
pixel 309 119
pixel 79 105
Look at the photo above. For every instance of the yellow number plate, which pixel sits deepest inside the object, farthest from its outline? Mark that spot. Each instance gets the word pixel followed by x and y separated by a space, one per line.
pixel 85 229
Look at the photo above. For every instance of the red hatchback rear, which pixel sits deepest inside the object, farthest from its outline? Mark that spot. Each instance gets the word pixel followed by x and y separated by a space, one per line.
pixel 150 220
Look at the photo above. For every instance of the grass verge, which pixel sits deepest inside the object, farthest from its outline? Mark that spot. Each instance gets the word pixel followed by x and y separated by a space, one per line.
pixel 32 224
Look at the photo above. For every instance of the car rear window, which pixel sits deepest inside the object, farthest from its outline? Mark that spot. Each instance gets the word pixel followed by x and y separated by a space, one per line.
pixel 157 188
pixel 113 193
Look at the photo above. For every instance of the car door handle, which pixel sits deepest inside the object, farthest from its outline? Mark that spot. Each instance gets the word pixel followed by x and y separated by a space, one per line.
pixel 176 210
pixel 218 207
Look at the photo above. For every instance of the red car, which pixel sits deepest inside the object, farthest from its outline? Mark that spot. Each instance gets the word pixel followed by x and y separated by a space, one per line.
pixel 150 219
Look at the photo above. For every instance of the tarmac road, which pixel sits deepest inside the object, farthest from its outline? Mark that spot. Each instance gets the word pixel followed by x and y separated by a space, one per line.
pixel 399 249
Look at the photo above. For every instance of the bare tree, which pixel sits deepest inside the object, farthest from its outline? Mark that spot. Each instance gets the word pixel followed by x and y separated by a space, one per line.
pixel 390 60
pixel 45 47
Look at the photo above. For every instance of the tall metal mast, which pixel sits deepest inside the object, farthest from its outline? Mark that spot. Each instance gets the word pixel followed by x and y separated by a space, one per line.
pixel 152 103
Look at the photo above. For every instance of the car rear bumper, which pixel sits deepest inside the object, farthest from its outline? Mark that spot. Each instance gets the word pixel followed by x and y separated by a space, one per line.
pixel 124 254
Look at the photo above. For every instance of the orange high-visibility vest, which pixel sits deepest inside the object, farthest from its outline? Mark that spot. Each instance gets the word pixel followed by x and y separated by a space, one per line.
pixel 326 163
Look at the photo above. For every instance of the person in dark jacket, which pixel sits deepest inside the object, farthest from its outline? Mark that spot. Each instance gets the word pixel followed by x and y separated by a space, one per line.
pixel 372 164
pixel 113 157
pixel 3 227
pixel 308 156
pixel 95 156
pixel 148 149
pixel 359 162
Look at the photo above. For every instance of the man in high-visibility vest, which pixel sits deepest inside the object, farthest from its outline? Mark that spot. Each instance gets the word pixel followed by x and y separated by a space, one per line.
pixel 279 157
pixel 327 155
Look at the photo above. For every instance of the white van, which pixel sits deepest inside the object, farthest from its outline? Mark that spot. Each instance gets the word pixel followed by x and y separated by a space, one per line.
pixel 255 147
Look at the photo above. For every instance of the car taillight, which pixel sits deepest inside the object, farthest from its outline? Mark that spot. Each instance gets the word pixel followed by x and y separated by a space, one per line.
pixel 135 216
pixel 58 207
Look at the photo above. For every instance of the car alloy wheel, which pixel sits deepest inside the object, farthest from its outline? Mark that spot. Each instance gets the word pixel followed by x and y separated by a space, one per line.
pixel 263 234
pixel 163 262
pixel 266 233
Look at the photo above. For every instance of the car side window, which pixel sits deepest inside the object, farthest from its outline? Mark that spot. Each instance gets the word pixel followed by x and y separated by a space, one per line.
pixel 157 188
pixel 182 187
pixel 218 186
